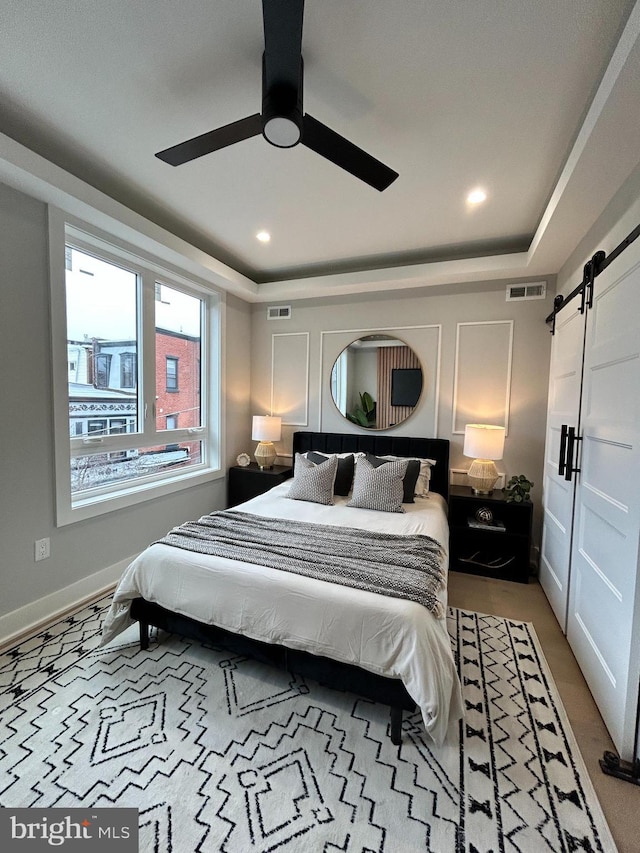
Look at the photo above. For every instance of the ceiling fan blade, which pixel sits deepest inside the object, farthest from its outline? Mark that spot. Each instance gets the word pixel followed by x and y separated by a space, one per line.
pixel 329 144
pixel 212 141
pixel 282 43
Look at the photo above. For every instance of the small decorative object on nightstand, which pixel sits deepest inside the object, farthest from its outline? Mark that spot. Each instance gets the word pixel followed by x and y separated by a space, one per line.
pixel 518 488
pixel 249 481
pixel 484 515
pixel 489 535
pixel 243 459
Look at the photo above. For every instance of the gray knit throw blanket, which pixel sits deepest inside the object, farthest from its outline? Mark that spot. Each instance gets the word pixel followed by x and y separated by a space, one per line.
pixel 400 566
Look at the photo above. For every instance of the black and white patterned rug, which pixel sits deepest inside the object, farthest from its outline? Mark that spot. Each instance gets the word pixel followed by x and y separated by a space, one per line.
pixel 221 753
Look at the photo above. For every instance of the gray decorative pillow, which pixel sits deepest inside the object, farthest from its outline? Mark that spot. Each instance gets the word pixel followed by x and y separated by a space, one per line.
pixel 313 482
pixel 344 477
pixel 379 488
pixel 410 477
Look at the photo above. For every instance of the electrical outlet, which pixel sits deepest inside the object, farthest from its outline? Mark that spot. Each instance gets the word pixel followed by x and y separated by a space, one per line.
pixel 42 549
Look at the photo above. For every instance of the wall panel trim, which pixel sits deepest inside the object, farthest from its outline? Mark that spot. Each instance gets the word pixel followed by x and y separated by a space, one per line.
pixel 498 398
pixel 284 387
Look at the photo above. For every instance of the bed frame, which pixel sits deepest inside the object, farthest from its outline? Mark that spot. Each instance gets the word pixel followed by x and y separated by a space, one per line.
pixel 340 676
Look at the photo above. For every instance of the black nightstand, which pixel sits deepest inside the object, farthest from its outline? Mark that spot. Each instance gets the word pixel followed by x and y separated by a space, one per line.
pixel 498 550
pixel 248 482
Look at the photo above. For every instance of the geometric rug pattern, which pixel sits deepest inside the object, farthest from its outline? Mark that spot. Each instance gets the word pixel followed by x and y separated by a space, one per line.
pixel 222 753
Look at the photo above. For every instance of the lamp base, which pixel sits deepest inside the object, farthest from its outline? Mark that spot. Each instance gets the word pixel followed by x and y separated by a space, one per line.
pixel 482 476
pixel 265 455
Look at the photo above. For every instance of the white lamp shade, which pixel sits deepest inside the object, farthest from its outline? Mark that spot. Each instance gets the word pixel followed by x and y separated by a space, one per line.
pixel 482 441
pixel 266 428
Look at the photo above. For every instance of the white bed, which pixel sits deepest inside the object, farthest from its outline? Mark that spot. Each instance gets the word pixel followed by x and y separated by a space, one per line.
pixel 388 636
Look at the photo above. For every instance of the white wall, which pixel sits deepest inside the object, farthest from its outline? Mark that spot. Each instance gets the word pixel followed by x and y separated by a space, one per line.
pixel 443 308
pixel 26 442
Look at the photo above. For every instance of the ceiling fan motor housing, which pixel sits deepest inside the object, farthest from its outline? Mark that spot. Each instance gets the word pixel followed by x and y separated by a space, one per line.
pixel 282 111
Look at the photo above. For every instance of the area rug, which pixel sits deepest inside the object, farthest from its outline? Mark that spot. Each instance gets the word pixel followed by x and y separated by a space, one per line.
pixel 221 753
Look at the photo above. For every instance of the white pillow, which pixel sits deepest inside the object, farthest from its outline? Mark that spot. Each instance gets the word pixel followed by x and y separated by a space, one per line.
pixel 355 454
pixel 422 484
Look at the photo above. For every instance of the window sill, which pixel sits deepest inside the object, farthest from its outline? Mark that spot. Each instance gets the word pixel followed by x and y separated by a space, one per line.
pixel 102 504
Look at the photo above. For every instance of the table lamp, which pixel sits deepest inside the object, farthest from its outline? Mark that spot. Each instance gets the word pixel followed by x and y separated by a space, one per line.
pixel 484 443
pixel 266 429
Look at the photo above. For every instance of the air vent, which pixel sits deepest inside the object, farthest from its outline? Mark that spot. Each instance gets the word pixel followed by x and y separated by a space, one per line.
pixel 279 312
pixel 531 290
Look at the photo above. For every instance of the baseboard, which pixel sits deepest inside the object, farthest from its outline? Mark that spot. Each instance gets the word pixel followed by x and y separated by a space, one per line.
pixel 34 617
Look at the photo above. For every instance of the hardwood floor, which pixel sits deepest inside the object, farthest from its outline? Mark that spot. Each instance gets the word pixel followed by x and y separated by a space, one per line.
pixel 527 602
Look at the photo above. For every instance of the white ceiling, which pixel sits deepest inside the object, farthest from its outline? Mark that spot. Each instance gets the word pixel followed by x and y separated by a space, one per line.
pixel 534 100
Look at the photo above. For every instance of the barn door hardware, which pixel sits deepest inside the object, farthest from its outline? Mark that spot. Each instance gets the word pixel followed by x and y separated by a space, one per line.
pixel 562 461
pixel 613 765
pixel 599 262
pixel 592 269
pixel 572 441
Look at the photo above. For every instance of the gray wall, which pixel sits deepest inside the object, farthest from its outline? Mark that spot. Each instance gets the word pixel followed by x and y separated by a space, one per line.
pixel 446 306
pixel 26 459
pixel 618 219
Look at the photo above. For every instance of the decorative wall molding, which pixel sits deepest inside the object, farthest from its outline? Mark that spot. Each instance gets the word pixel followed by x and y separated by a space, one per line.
pixel 290 377
pixel 482 374
pixel 430 355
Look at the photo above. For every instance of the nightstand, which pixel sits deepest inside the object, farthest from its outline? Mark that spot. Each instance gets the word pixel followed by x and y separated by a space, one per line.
pixel 500 549
pixel 248 482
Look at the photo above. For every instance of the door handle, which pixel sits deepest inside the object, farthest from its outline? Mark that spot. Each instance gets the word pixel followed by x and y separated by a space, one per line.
pixel 563 450
pixel 572 440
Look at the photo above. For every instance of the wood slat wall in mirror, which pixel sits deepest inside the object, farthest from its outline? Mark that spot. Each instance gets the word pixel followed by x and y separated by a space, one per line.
pixel 390 358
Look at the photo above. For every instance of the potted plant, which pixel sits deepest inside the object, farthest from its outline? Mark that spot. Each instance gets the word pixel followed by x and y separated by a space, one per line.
pixel 518 489
pixel 365 415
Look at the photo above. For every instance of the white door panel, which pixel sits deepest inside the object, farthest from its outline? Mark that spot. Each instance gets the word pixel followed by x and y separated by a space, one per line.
pixel 554 567
pixel 603 624
pixel 589 599
pixel 557 493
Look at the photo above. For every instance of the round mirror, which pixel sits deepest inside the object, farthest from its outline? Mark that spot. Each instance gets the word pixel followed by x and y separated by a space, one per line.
pixel 376 382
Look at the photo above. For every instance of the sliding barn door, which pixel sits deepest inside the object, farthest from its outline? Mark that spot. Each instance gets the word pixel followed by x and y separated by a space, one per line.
pixel 603 625
pixel 558 488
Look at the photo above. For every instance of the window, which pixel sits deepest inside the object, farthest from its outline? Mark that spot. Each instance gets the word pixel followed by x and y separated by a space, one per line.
pixel 121 328
pixel 127 370
pixel 102 368
pixel 172 373
pixel 96 427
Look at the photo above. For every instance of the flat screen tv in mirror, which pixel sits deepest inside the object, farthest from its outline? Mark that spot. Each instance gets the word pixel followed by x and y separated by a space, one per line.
pixel 406 386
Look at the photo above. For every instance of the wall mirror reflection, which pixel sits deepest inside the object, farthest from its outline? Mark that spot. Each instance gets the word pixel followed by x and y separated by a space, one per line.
pixel 376 382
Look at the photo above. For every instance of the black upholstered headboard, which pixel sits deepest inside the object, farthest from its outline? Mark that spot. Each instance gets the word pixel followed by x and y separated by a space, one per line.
pixel 382 445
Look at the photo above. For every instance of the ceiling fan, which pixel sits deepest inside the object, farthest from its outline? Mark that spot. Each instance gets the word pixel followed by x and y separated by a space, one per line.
pixel 282 121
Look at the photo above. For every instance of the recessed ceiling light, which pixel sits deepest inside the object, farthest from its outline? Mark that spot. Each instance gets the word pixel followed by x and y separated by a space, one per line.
pixel 477 196
pixel 263 236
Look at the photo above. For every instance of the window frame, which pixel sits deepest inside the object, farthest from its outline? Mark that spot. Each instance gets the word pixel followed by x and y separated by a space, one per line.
pixel 63 229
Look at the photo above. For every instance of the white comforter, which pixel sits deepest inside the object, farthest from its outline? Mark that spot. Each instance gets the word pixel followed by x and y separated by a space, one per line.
pixel 388 636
